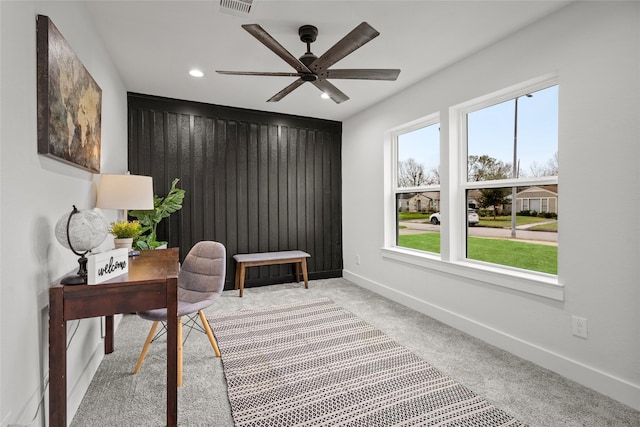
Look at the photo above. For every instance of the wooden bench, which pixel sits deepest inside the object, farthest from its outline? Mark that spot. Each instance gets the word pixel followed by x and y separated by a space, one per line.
pixel 299 258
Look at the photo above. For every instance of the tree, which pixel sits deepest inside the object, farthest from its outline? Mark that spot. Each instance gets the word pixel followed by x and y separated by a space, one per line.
pixel 486 168
pixel 548 169
pixel 434 176
pixel 492 197
pixel 411 173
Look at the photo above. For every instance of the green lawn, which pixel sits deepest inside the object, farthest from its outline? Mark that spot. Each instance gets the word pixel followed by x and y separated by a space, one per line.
pixel 404 216
pixel 528 256
pixel 546 227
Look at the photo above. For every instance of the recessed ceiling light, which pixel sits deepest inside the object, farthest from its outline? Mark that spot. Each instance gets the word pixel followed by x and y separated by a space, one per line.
pixel 324 95
pixel 196 73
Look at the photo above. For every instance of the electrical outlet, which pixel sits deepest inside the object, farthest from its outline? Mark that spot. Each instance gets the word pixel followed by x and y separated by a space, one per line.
pixel 579 326
pixel 358 259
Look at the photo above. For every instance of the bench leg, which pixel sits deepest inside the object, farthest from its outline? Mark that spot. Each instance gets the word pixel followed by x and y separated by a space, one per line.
pixel 304 273
pixel 237 281
pixel 242 274
pixel 297 271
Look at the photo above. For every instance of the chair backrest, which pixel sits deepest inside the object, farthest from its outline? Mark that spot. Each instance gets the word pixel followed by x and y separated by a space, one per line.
pixel 204 268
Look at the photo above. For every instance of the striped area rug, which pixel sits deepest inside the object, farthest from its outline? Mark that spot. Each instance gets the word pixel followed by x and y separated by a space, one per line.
pixel 316 364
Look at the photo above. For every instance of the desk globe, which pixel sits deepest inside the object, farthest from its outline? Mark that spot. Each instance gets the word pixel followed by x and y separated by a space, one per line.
pixel 80 231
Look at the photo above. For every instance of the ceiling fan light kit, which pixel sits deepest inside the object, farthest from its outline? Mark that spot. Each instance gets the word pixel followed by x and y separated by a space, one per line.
pixel 313 69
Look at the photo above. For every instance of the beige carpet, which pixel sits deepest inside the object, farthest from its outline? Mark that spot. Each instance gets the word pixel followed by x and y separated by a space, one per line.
pixel 531 394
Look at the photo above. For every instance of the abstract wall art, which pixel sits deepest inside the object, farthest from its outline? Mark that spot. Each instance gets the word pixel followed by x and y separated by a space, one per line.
pixel 69 102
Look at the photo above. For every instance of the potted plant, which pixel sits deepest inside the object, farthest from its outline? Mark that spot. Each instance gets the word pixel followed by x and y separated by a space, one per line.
pixel 163 207
pixel 124 233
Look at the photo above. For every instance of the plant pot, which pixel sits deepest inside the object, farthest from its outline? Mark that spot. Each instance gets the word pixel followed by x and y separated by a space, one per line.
pixel 124 243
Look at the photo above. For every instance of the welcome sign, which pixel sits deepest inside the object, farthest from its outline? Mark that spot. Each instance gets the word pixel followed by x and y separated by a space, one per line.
pixel 107 265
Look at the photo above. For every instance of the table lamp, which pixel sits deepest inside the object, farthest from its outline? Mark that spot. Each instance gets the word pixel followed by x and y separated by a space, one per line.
pixel 126 192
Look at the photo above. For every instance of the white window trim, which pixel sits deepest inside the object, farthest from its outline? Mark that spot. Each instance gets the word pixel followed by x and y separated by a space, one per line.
pixel 391 174
pixel 535 284
pixel 453 186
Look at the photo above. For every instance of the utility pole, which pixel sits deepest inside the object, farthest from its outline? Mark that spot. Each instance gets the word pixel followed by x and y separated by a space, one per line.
pixel 515 167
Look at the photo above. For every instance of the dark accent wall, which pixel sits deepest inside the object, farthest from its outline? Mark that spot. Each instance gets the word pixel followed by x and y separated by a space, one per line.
pixel 255 181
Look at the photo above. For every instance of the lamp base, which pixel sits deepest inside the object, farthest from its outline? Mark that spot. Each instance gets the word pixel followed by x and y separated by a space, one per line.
pixel 74 279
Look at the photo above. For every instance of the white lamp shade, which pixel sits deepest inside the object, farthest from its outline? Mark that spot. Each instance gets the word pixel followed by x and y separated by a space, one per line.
pixel 125 192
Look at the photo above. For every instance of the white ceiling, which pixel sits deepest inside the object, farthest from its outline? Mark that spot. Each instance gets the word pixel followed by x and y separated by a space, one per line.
pixel 155 43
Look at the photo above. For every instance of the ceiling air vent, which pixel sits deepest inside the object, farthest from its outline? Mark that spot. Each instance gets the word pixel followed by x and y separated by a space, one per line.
pixel 236 7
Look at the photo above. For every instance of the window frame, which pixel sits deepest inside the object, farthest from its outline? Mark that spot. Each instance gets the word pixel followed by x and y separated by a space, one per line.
pixel 391 140
pixel 453 188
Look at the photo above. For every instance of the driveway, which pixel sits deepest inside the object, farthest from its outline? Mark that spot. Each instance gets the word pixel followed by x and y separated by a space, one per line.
pixel 544 237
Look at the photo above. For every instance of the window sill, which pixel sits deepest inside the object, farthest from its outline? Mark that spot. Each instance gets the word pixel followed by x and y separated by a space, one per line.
pixel 536 284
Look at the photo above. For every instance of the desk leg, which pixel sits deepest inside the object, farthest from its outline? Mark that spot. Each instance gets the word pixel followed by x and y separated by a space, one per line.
pixel 57 359
pixel 172 352
pixel 108 334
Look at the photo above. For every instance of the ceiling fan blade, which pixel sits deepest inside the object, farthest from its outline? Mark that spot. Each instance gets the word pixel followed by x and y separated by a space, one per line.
pixel 334 93
pixel 286 91
pixel 265 38
pixel 258 73
pixel 363 74
pixel 359 36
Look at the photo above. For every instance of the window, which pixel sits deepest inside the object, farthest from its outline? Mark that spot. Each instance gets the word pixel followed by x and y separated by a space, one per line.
pixel 512 177
pixel 461 222
pixel 417 185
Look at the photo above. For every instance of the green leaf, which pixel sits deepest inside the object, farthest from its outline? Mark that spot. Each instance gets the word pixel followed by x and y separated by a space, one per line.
pixel 162 208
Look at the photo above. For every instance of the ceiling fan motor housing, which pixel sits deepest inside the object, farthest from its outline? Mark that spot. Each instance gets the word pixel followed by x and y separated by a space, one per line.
pixel 308 33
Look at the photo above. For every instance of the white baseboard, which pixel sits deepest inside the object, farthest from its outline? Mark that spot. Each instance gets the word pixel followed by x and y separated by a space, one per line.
pixel 609 385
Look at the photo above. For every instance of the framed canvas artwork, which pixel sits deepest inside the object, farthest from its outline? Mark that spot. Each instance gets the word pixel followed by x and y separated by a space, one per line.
pixel 69 102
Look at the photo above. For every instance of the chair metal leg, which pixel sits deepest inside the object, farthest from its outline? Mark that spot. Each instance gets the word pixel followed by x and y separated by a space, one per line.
pixel 207 328
pixel 145 349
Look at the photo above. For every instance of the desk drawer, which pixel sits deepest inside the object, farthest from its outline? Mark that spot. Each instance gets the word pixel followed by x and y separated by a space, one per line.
pixel 104 301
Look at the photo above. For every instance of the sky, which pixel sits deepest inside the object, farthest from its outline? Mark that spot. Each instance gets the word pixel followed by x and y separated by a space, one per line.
pixel 491 132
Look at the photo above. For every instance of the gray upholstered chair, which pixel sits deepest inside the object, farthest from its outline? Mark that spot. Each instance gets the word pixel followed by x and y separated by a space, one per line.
pixel 200 283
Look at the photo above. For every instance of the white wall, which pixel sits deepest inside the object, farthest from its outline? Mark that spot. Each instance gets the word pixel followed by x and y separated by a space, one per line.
pixel 595 49
pixel 35 192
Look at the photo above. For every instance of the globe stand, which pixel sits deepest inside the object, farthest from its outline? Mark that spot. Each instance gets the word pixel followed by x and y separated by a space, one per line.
pixel 80 278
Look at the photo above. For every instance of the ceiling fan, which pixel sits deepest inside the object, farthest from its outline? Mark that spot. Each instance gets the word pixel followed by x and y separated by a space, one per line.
pixel 310 68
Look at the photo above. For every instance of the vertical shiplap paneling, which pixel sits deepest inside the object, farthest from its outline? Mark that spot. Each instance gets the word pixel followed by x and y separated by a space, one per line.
pixel 219 188
pixel 310 199
pixel 231 187
pixel 301 189
pixel 291 199
pixel 208 196
pixel 197 180
pixel 242 189
pixel 319 228
pixel 336 202
pixel 254 181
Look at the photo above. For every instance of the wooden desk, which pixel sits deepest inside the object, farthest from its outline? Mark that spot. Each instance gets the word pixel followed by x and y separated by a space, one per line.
pixel 152 282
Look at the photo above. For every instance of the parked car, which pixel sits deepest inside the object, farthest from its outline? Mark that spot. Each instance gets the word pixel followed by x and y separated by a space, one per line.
pixel 472 218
